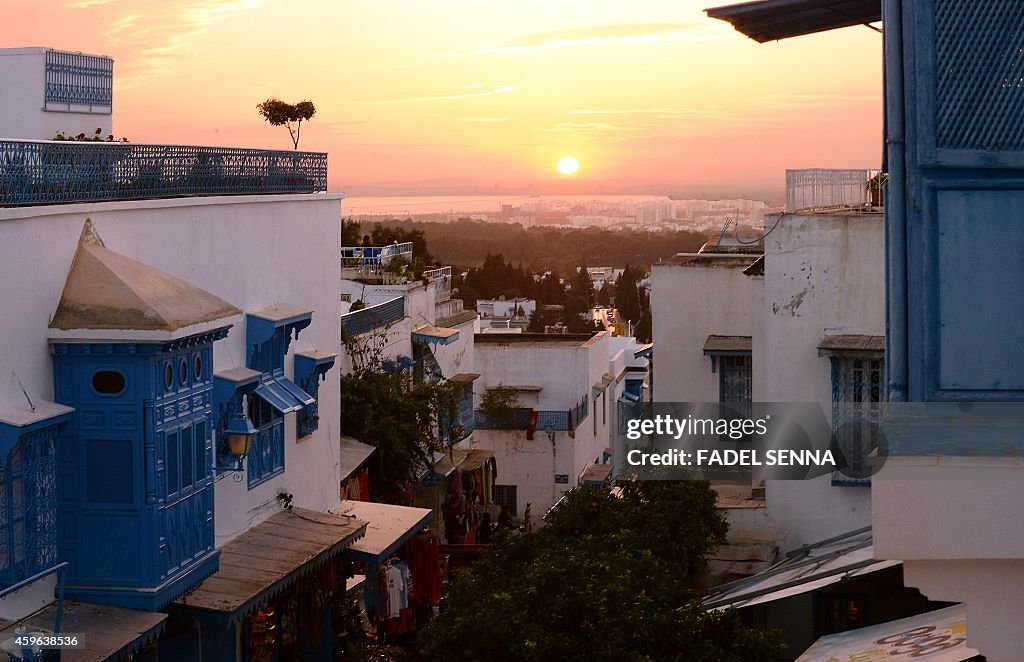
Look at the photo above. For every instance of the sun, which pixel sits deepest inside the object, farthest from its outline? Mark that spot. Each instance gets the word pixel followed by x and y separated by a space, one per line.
pixel 567 165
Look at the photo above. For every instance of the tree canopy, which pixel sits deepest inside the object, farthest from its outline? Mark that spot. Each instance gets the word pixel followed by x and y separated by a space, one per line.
pixel 291 115
pixel 608 578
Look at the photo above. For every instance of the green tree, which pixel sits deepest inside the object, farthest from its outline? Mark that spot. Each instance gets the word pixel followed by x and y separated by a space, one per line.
pixel 627 298
pixel 604 295
pixel 608 578
pixel 291 115
pixel 407 415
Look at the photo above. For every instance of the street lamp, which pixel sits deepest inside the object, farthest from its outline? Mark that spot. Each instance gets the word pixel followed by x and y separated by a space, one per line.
pixel 238 436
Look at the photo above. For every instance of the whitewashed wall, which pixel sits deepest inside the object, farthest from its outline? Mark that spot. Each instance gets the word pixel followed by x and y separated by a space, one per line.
pixel 253 251
pixel 824 274
pixel 22 89
pixel 688 303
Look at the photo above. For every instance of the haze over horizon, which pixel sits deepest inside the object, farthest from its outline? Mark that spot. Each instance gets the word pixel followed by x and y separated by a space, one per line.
pixel 454 96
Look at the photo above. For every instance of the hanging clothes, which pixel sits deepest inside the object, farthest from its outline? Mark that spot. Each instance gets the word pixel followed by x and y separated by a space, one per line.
pixel 396 588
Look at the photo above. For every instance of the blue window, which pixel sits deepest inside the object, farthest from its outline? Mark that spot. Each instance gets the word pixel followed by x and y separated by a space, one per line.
pixel 857 402
pixel 735 382
pixel 74 78
pixel 266 459
pixel 28 494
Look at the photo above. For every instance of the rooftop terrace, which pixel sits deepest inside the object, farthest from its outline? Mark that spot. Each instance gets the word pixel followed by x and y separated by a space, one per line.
pixel 43 172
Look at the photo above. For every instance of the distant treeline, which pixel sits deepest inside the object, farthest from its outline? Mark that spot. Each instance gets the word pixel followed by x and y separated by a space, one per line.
pixel 467 243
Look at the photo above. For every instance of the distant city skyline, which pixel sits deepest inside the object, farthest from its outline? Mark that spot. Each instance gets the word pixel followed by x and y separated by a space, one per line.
pixel 653 95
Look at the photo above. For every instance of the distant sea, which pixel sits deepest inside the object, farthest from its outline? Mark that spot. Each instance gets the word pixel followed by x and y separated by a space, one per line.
pixel 415 205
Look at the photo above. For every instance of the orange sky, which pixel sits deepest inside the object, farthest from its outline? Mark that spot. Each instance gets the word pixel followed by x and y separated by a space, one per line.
pixel 481 91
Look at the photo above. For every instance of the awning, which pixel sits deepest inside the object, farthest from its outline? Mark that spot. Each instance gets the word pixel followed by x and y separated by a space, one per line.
pixel 596 474
pixel 769 20
pixel 465 377
pixel 448 462
pixel 354 455
pixel 475 458
pixel 15 422
pixel 388 528
pixel 728 345
pixel 434 334
pixel 810 568
pixel 925 636
pixel 354 583
pixel 106 632
pixel 269 557
pixel 644 352
pixel 851 344
pixel 283 394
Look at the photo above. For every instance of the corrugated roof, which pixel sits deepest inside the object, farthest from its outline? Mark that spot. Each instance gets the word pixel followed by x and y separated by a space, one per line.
pixel 457 319
pixel 596 474
pixel 806 569
pixel 722 344
pixel 770 20
pixel 271 556
pixel 851 343
pixel 354 454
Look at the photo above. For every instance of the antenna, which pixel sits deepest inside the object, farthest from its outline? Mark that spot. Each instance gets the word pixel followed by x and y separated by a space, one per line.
pixel 31 405
pixel 725 228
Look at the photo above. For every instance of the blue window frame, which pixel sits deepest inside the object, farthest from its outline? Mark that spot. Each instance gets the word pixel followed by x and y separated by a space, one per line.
pixel 28 492
pixel 266 459
pixel 858 399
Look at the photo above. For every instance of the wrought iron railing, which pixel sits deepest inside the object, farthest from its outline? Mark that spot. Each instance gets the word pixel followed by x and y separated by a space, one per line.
pixel 442 276
pixel 76 78
pixel 519 419
pixel 372 317
pixel 371 261
pixel 28 507
pixel 34 172
pixel 823 188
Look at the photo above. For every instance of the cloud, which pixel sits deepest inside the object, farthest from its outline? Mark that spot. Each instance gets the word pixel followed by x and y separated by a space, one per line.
pixel 85 4
pixel 154 44
pixel 446 97
pixel 599 35
pixel 484 119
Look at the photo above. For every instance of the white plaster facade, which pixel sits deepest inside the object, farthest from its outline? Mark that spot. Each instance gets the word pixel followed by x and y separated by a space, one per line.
pixel 565 368
pixel 693 297
pixel 24 113
pixel 253 251
pixel 823 275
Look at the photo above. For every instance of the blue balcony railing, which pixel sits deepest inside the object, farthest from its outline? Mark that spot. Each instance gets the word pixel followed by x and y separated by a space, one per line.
pixel 34 172
pixel 28 507
pixel 372 317
pixel 519 419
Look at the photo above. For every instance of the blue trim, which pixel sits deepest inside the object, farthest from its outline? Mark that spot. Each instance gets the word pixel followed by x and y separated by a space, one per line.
pixel 418 336
pixel 274 394
pixel 155 599
pixel 309 371
pixel 267 340
pixel 11 434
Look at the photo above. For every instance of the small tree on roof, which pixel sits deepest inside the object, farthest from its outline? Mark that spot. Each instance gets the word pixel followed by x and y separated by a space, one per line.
pixel 280 113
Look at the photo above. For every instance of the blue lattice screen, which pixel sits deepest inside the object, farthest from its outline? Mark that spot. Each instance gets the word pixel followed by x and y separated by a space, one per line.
pixel 28 507
pixel 979 82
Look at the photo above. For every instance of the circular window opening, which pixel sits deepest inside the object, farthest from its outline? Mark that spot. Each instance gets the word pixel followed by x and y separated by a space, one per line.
pixel 168 377
pixel 108 382
pixel 183 371
pixel 197 368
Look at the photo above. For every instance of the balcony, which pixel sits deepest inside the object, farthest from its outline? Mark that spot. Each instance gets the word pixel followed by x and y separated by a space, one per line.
pixel 519 419
pixel 834 190
pixel 370 263
pixel 34 172
pixel 372 317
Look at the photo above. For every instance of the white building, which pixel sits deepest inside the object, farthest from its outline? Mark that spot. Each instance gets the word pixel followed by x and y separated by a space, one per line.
pixel 169 337
pixel 565 413
pixel 44 92
pixel 819 337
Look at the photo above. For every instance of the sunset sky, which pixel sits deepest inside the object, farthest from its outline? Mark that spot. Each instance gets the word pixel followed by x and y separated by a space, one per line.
pixel 481 92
